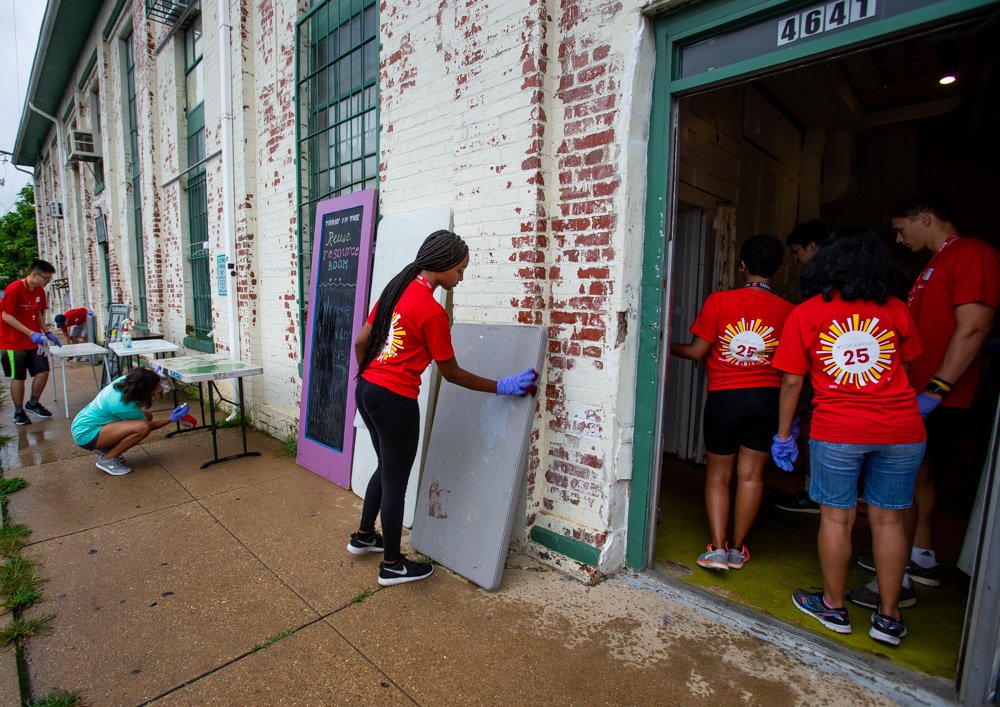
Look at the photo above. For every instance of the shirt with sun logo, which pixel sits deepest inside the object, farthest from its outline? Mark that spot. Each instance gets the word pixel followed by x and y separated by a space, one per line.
pixel 24 305
pixel 743 326
pixel 418 333
pixel 853 353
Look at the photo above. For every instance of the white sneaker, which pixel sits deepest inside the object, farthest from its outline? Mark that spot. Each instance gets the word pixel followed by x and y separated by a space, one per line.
pixel 115 467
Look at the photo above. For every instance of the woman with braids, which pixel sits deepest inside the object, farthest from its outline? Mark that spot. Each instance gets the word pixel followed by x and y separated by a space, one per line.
pixel 118 419
pixel 853 339
pixel 405 331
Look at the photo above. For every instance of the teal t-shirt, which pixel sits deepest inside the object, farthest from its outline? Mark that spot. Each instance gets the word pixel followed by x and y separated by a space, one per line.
pixel 107 407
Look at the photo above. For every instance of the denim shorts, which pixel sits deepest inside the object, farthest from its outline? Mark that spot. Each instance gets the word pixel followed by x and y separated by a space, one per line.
pixel 889 471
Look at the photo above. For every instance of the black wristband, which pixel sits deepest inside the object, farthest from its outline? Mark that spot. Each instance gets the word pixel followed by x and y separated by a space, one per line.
pixel 934 388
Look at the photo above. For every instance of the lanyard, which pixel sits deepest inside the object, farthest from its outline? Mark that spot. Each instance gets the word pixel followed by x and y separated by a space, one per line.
pixel 759 285
pixel 425 282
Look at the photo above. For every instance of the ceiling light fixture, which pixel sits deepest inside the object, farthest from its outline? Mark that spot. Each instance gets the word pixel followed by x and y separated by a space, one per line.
pixel 947 79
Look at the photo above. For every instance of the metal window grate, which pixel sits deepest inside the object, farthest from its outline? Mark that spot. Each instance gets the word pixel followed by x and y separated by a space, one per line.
pixel 168 12
pixel 337 85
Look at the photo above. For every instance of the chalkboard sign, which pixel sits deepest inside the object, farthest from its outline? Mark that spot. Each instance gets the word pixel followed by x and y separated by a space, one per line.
pixel 341 267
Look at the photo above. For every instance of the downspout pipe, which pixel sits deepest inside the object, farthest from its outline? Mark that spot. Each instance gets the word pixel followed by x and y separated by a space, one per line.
pixel 61 159
pixel 228 179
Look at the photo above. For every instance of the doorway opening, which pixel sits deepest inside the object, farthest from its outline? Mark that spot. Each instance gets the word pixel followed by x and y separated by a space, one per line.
pixel 840 139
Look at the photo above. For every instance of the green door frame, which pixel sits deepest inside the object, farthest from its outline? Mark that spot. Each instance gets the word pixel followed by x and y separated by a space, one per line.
pixel 671 32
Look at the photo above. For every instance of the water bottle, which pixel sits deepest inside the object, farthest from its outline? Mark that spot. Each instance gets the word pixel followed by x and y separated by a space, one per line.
pixel 127 338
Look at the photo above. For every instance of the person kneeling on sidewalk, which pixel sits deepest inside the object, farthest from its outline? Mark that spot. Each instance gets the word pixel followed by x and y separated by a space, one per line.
pixel 118 419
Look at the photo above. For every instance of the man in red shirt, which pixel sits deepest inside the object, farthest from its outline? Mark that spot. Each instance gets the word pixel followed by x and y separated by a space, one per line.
pixel 73 324
pixel 22 333
pixel 953 302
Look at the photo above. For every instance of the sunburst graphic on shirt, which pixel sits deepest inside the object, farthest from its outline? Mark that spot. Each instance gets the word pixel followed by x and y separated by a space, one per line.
pixel 393 341
pixel 748 343
pixel 856 351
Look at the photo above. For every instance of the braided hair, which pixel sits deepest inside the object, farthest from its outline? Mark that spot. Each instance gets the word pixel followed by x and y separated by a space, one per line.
pixel 440 251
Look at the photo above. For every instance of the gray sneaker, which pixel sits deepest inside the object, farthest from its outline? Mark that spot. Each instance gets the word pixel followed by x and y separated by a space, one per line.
pixel 115 467
pixel 737 558
pixel 868 596
pixel 714 558
pixel 101 453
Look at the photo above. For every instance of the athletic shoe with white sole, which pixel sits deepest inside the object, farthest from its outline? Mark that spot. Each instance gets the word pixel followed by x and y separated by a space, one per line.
pixel 868 596
pixel 737 558
pixel 886 629
pixel 37 409
pixel 798 503
pixel 360 544
pixel 403 570
pixel 714 558
pixel 928 576
pixel 833 618
pixel 112 466
pixel 21 418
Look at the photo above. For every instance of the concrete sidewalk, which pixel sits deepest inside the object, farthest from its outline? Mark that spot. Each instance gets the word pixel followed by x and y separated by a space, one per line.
pixel 232 585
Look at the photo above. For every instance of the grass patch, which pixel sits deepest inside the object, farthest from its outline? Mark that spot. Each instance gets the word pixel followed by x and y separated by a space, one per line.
pixel 20 583
pixel 4 439
pixel 224 422
pixel 14 483
pixel 290 444
pixel 362 595
pixel 19 630
pixel 272 640
pixel 13 538
pixel 58 698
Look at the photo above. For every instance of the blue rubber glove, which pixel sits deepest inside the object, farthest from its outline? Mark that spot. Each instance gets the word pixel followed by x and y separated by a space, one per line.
pixel 796 428
pixel 926 404
pixel 784 453
pixel 522 383
pixel 53 338
pixel 39 338
pixel 180 412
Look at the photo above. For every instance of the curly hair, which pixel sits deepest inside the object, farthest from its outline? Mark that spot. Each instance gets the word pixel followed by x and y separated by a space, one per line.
pixel 762 255
pixel 440 251
pixel 139 386
pixel 855 264
pixel 929 202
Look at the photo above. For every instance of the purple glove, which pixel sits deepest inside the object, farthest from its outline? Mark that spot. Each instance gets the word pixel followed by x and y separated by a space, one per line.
pixel 53 338
pixel 522 383
pixel 796 428
pixel 926 404
pixel 39 338
pixel 784 453
pixel 180 412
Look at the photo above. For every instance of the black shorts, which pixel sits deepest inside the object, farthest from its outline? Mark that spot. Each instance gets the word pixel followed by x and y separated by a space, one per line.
pixel 92 444
pixel 742 417
pixel 18 364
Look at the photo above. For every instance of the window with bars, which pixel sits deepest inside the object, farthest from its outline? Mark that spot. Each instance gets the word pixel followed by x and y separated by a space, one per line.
pixel 199 267
pixel 135 179
pixel 337 85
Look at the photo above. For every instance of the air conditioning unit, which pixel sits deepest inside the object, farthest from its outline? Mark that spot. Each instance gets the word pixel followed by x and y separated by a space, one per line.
pixel 84 146
pixel 55 209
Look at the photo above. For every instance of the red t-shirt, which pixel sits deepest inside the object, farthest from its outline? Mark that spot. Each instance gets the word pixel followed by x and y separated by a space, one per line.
pixel 76 316
pixel 420 331
pixel 854 354
pixel 962 271
pixel 25 305
pixel 743 326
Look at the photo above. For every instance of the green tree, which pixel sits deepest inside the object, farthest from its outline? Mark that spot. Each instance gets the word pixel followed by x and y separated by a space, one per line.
pixel 18 238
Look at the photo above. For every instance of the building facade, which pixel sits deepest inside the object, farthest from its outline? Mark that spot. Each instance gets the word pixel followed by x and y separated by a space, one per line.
pixel 554 131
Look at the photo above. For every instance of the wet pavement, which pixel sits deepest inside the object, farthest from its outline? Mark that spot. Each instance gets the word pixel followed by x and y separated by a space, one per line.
pixel 232 585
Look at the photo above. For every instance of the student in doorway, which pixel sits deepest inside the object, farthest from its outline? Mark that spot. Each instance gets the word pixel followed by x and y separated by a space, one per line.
pixel 738 331
pixel 405 331
pixel 804 242
pixel 852 338
pixel 74 324
pixel 119 419
pixel 24 339
pixel 953 303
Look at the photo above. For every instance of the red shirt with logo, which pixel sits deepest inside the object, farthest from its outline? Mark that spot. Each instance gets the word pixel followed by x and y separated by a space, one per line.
pixel 25 305
pixel 76 316
pixel 419 332
pixel 743 326
pixel 854 354
pixel 962 271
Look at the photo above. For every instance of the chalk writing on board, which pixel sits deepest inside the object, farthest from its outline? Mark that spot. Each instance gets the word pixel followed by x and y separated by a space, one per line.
pixel 333 323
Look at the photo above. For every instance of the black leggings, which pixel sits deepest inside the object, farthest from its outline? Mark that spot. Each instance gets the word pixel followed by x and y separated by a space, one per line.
pixel 394 424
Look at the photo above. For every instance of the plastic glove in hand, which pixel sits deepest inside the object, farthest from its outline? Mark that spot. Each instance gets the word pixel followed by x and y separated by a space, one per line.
pixel 796 428
pixel 179 412
pixel 522 383
pixel 926 404
pixel 784 453
pixel 39 338
pixel 53 338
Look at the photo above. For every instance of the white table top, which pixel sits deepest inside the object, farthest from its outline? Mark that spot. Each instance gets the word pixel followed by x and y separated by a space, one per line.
pixel 84 349
pixel 205 367
pixel 145 346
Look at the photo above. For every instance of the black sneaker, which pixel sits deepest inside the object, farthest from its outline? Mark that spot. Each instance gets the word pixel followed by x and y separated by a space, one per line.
pixel 928 576
pixel 403 571
pixel 868 596
pixel 886 629
pixel 37 409
pixel 359 545
pixel 799 503
pixel 21 418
